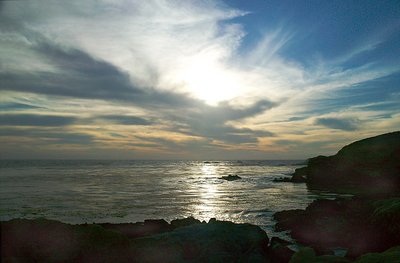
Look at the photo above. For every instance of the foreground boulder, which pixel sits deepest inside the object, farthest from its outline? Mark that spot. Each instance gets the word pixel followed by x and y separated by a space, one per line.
pixel 278 250
pixel 308 255
pixel 369 166
pixel 213 242
pixel 186 240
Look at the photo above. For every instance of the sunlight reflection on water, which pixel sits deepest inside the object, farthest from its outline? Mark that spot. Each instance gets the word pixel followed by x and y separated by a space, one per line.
pixel 131 191
pixel 208 193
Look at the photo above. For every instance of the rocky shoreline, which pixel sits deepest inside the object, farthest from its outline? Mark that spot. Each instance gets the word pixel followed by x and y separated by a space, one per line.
pixel 364 227
pixel 182 240
pixel 368 222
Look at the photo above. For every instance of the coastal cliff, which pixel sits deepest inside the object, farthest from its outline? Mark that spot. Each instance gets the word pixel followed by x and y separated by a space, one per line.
pixel 368 222
pixel 370 166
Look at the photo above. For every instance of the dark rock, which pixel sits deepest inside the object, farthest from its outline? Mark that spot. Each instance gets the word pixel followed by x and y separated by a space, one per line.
pixel 300 175
pixel 51 241
pixel 287 219
pixel 44 240
pixel 184 222
pixel 140 229
pixel 278 252
pixel 355 224
pixel 213 242
pixel 369 166
pixel 276 241
pixel 308 255
pixel 157 224
pixel 231 177
pixel 212 220
pixel 391 255
pixel 282 179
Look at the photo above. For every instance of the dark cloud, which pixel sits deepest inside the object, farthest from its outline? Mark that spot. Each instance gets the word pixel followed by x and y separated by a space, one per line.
pixel 117 135
pixel 79 75
pixel 13 106
pixel 339 124
pixel 211 122
pixel 49 136
pixel 225 111
pixel 35 120
pixel 126 120
pixel 82 76
pixel 297 118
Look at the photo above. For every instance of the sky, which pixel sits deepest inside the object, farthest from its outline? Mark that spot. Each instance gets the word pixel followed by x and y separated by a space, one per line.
pixel 182 79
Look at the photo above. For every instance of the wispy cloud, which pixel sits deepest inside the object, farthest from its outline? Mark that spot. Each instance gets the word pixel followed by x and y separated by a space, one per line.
pixel 337 123
pixel 174 72
pixel 125 120
pixel 35 120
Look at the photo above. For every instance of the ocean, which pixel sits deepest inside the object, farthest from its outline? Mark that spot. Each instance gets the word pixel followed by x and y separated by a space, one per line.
pixel 131 191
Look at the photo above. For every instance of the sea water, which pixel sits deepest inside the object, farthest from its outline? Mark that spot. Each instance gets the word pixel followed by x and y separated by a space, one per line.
pixel 131 191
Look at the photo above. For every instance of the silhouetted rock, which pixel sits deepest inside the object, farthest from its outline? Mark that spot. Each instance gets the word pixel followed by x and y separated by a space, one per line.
pixel 391 255
pixel 300 175
pixel 213 242
pixel 360 225
pixel 368 166
pixel 212 220
pixel 282 179
pixel 184 222
pixel 140 229
pixel 278 251
pixel 44 240
pixel 367 222
pixel 308 255
pixel 231 177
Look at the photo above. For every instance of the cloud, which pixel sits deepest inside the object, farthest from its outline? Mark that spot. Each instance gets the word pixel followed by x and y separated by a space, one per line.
pixel 35 120
pixel 49 137
pixel 82 76
pixel 179 67
pixel 126 120
pixel 338 123
pixel 117 135
pixel 213 121
pixel 14 106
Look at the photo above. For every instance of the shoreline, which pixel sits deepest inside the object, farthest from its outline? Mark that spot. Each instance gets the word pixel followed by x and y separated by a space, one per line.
pixel 155 240
pixel 365 225
pixel 182 240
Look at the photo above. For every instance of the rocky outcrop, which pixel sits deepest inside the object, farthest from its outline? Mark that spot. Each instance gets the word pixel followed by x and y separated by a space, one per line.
pixel 368 166
pixel 278 250
pixel 217 241
pixel 368 222
pixel 308 255
pixel 140 229
pixel 184 240
pixel 360 225
pixel 231 177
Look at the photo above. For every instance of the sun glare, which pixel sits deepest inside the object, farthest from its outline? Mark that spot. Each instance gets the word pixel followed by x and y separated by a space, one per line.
pixel 211 82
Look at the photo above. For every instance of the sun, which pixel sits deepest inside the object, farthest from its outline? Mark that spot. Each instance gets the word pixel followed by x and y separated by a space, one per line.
pixel 210 81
